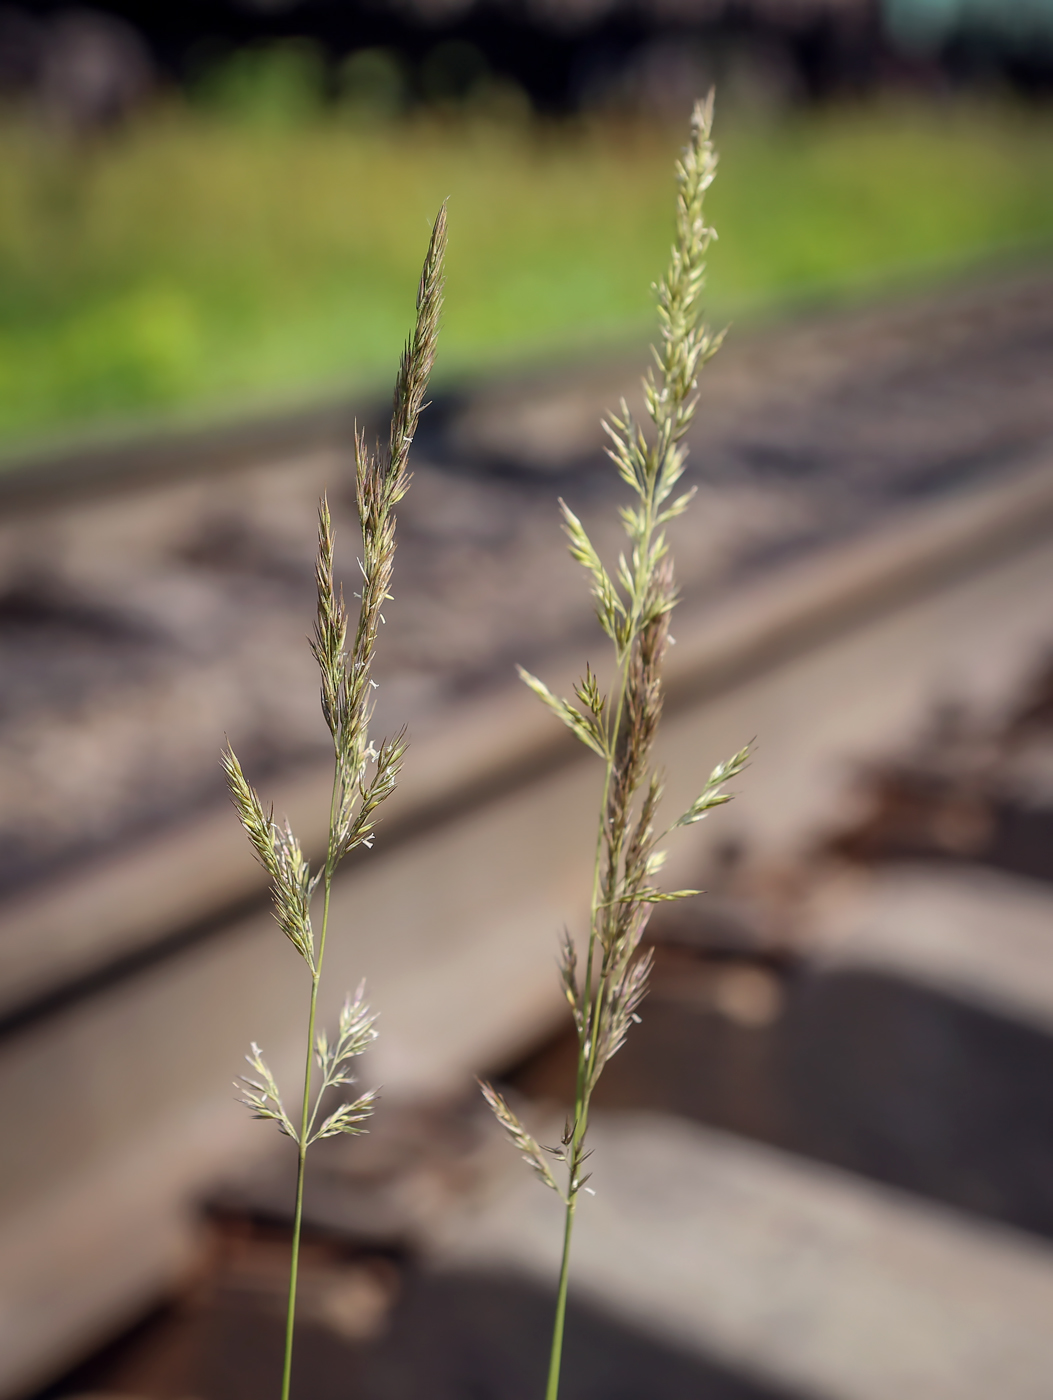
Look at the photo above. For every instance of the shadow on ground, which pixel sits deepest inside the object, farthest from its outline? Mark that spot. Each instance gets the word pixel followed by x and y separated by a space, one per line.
pixel 450 1337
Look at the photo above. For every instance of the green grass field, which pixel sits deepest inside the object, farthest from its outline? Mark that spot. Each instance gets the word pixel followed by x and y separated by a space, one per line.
pixel 195 264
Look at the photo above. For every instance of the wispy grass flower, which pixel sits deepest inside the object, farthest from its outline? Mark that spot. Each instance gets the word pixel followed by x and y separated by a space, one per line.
pixel 605 983
pixel 363 776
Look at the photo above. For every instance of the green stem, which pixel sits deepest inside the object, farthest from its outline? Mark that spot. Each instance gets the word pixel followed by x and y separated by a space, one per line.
pixel 305 1115
pixel 290 1313
pixel 556 1358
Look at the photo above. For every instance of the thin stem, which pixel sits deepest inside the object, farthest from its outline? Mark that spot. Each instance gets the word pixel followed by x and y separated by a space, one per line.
pixel 290 1314
pixel 306 1117
pixel 556 1357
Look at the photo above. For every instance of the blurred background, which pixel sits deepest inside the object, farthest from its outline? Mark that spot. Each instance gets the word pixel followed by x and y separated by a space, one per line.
pixel 209 208
pixel 825 1159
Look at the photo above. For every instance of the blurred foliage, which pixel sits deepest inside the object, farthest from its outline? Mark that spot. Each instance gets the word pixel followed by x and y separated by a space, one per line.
pixel 269 85
pixel 256 246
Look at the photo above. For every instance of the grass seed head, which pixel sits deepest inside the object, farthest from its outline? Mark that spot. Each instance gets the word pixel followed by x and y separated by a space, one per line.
pixel 605 983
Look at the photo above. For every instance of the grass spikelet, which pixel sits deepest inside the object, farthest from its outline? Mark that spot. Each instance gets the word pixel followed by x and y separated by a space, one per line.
pixel 606 981
pixel 533 1154
pixel 363 775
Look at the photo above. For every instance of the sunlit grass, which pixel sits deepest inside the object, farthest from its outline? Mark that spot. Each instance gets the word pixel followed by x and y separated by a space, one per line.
pixel 195 263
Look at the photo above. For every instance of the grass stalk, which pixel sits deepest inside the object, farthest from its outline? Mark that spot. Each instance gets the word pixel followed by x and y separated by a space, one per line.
pixel 294 1270
pixel 363 776
pixel 606 984
pixel 555 1360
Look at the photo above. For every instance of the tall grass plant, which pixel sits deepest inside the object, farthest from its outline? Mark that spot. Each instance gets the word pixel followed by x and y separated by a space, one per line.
pixel 363 776
pixel 605 972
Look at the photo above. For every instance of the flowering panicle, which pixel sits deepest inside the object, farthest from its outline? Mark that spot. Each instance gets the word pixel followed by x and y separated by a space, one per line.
pixel 364 776
pixel 606 981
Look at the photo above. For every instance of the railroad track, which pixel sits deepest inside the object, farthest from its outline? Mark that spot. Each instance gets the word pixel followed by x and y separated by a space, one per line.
pixel 133 981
